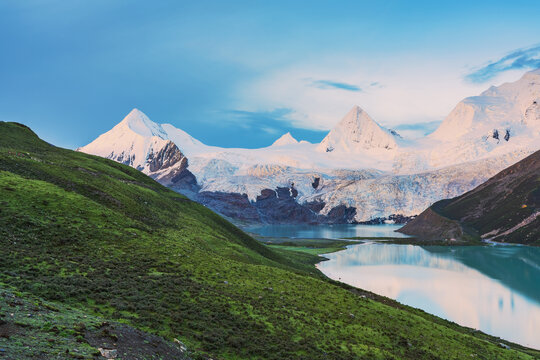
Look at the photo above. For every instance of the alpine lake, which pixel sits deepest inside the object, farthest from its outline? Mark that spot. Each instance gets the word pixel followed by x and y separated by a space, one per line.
pixel 492 288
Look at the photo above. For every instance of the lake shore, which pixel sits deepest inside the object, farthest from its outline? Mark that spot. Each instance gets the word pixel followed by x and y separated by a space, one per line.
pixel 326 248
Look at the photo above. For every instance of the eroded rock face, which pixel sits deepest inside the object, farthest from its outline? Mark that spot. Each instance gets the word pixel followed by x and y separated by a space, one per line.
pixel 280 206
pixel 232 205
pixel 315 206
pixel 341 215
pixel 267 194
pixel 179 178
pixel 166 157
pixel 277 206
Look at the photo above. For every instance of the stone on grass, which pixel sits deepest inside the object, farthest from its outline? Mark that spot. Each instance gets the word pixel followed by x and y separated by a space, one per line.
pixel 108 353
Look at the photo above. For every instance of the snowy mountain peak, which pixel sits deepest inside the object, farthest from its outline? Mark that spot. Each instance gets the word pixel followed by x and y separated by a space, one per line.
pixel 131 141
pixel 357 132
pixel 508 106
pixel 138 122
pixel 285 139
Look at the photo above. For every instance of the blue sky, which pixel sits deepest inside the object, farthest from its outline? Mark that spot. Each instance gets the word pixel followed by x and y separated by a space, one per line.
pixel 241 73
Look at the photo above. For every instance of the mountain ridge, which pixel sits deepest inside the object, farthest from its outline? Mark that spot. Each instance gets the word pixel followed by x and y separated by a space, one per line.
pixel 481 136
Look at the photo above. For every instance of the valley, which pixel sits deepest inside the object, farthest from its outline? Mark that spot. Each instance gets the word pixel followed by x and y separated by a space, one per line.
pixel 106 240
pixel 269 180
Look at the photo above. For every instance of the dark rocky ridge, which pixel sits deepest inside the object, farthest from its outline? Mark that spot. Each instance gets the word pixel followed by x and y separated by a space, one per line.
pixel 168 156
pixel 232 205
pixel 277 206
pixel 179 178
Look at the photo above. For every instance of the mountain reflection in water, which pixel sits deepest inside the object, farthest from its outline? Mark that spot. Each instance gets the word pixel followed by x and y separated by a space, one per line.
pixel 492 288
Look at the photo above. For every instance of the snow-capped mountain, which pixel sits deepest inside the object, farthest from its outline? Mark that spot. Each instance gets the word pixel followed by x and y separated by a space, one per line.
pixel 500 120
pixel 131 141
pixel 284 140
pixel 360 171
pixel 511 106
pixel 357 132
pixel 141 143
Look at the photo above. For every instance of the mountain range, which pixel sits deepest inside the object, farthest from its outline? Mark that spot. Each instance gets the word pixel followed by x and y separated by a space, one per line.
pixel 360 172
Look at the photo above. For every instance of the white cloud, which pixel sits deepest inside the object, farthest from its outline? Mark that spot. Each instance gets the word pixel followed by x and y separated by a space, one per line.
pixel 406 92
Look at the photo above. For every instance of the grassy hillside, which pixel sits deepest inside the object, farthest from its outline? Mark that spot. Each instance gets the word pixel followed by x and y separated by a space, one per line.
pixel 106 240
pixel 505 208
pixel 32 328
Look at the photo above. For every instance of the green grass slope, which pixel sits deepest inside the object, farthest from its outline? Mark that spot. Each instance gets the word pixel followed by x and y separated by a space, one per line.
pixel 103 238
pixel 505 208
pixel 33 328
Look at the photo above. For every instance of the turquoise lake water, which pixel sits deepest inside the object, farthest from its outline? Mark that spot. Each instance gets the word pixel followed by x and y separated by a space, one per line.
pixel 495 289
pixel 326 231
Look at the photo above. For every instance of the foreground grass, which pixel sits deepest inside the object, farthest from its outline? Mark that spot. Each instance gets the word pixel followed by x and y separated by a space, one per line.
pixel 30 327
pixel 309 246
pixel 103 238
pixel 34 328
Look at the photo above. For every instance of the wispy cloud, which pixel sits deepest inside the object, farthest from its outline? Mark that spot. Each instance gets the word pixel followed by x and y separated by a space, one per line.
pixel 390 99
pixel 417 130
pixel 270 130
pixel 329 84
pixel 249 119
pixel 525 58
pixel 266 125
